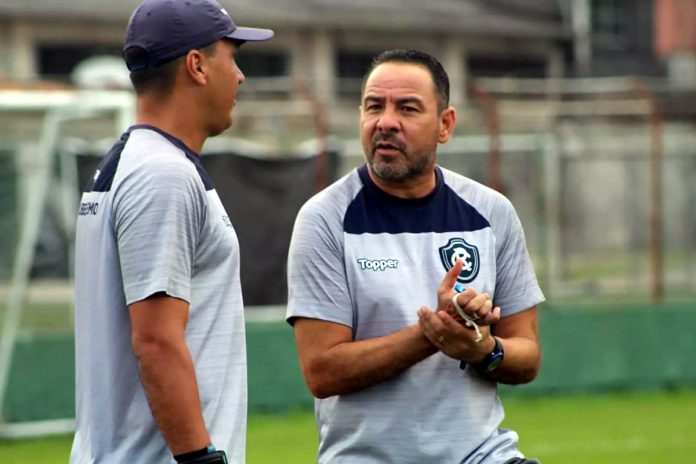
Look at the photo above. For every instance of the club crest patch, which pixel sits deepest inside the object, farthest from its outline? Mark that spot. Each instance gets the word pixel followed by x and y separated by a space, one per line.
pixel 457 248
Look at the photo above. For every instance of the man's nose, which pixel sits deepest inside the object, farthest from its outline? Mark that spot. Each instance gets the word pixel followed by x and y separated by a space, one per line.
pixel 388 121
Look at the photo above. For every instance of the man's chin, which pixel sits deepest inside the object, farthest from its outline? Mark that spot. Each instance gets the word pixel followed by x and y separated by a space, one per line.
pixel 390 171
pixel 217 130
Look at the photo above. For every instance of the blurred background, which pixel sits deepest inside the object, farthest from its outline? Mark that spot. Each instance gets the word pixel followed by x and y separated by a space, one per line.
pixel 583 112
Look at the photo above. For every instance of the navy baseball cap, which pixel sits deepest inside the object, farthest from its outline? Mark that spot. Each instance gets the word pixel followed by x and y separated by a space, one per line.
pixel 162 30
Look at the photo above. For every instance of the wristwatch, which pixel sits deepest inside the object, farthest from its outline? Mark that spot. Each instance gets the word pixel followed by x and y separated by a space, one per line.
pixel 492 359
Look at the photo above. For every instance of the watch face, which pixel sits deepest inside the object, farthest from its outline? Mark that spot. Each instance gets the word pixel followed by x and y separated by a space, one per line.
pixel 495 362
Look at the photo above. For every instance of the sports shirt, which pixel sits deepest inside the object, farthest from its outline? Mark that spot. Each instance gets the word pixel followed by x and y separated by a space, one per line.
pixel 368 260
pixel 150 221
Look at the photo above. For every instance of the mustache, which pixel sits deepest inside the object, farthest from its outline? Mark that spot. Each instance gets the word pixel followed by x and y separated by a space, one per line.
pixel 388 138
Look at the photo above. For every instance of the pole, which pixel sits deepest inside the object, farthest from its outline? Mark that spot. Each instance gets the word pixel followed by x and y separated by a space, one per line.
pixel 656 246
pixel 489 104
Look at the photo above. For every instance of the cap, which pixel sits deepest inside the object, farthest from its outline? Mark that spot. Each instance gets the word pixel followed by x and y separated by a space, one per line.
pixel 162 30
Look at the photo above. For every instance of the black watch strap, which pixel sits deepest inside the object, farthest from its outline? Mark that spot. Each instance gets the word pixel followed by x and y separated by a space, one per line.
pixel 207 455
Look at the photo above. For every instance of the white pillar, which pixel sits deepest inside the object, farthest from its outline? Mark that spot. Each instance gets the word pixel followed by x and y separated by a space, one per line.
pixel 582 32
pixel 453 61
pixel 554 65
pixel 21 62
pixel 323 66
pixel 681 68
pixel 301 61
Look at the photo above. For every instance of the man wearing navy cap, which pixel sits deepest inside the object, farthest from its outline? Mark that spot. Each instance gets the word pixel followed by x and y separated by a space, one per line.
pixel 160 342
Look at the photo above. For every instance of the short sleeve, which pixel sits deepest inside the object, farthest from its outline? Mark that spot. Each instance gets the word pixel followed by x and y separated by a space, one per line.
pixel 516 287
pixel 158 215
pixel 317 284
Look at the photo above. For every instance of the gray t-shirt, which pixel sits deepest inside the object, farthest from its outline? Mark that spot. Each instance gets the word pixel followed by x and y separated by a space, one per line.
pixel 368 260
pixel 150 221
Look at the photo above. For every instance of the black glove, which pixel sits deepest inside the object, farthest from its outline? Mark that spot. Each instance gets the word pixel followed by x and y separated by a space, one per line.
pixel 204 456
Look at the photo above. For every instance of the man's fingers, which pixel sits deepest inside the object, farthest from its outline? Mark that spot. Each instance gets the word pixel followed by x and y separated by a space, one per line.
pixel 486 305
pixel 431 324
pixel 467 335
pixel 448 321
pixel 464 299
pixel 492 317
pixel 484 310
pixel 424 315
pixel 451 276
pixel 431 321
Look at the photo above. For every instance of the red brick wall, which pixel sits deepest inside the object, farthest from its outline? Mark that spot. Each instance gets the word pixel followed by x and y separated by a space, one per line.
pixel 675 26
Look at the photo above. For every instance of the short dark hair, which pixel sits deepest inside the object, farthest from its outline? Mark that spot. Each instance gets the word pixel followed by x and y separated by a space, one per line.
pixel 160 79
pixel 437 71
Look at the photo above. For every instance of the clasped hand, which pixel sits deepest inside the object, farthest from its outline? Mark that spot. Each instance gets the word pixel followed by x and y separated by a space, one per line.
pixel 448 331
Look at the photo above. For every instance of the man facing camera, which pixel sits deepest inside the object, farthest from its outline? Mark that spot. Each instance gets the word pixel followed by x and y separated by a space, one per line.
pixel 396 381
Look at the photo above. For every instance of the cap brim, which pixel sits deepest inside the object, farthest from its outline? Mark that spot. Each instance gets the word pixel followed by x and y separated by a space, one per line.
pixel 250 34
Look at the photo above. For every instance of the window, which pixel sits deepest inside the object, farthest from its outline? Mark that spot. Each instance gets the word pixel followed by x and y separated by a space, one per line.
pixel 350 69
pixel 56 61
pixel 268 71
pixel 506 66
pixel 610 20
pixel 262 64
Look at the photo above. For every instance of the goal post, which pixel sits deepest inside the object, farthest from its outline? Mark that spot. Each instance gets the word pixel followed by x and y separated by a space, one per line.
pixel 35 124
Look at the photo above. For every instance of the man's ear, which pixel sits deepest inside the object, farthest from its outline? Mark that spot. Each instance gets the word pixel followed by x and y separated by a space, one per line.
pixel 448 118
pixel 196 66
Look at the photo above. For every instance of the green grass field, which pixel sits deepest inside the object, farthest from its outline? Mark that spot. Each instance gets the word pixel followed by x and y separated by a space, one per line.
pixel 639 428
